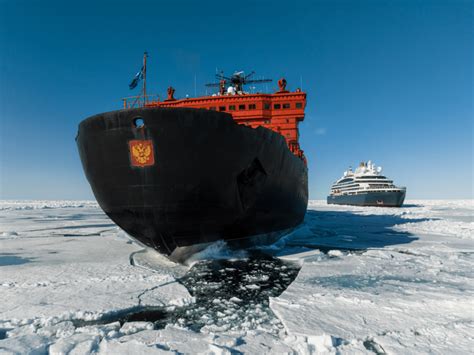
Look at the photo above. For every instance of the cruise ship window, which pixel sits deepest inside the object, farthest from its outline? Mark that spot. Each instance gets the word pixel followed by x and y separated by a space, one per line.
pixel 221 108
pixel 241 107
pixel 212 108
pixel 299 105
pixel 266 121
pixel 277 106
pixel 266 106
pixel 252 107
pixel 232 108
pixel 345 180
pixel 286 105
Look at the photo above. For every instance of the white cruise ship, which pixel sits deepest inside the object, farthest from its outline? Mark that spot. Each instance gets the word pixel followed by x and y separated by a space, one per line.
pixel 366 186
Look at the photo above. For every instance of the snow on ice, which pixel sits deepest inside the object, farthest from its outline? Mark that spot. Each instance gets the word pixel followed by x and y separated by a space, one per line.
pixel 348 280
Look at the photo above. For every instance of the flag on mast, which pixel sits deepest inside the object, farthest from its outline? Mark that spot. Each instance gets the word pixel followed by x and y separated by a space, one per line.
pixel 136 79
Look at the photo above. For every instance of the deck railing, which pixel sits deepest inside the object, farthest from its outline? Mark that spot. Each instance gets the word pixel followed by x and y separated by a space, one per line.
pixel 139 101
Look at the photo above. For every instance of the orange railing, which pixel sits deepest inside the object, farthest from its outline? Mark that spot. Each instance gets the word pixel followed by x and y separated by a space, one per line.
pixel 139 101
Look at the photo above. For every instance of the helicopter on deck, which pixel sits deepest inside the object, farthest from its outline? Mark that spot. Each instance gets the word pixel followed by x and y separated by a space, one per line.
pixel 236 80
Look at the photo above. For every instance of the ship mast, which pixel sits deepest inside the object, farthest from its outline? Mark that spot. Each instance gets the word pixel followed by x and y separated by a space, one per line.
pixel 145 55
pixel 141 99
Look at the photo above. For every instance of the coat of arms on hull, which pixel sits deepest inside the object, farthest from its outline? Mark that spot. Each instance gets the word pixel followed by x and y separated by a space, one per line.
pixel 141 153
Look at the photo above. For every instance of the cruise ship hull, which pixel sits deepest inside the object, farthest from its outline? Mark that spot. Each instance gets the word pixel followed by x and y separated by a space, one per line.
pixel 385 199
pixel 209 178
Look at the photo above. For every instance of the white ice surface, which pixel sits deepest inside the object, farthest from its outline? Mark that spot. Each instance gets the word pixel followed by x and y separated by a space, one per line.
pixel 63 261
pixel 408 290
pixel 373 280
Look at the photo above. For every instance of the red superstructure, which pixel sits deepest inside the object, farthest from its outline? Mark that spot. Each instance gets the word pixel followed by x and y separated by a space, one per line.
pixel 281 111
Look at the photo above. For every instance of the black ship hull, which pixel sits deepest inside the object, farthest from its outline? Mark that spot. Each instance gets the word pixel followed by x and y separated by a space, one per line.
pixel 209 178
pixel 383 199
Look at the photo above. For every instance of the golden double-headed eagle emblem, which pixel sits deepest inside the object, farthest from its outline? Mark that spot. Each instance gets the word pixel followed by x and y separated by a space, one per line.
pixel 141 152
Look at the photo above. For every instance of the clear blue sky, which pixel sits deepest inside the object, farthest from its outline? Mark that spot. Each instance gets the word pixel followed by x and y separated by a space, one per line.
pixel 389 81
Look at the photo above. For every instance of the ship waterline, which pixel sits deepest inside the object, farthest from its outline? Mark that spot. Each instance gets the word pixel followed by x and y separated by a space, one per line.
pixel 375 198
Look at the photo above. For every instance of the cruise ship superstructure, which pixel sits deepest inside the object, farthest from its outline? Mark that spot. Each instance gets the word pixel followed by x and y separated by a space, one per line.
pixel 366 186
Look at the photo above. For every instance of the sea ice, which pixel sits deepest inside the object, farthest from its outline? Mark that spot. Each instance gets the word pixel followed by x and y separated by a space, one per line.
pixel 372 280
pixel 403 285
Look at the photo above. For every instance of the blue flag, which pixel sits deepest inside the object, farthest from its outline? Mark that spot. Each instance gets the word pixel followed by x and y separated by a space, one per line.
pixel 136 79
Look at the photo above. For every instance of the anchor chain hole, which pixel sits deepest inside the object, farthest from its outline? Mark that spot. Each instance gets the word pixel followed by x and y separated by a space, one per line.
pixel 139 122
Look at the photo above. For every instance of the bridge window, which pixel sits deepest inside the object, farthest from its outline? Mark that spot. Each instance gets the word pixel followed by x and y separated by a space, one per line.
pixel 266 106
pixel 286 105
pixel 241 107
pixel 299 105
pixel 277 106
pixel 221 108
pixel 232 108
pixel 252 107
